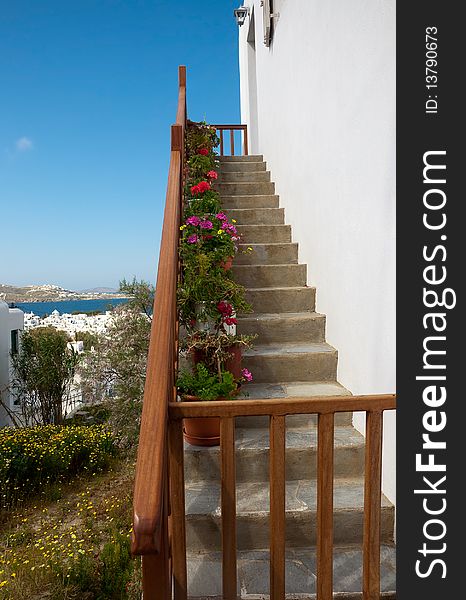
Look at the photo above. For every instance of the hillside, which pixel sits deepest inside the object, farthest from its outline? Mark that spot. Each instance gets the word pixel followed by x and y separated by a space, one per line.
pixel 51 293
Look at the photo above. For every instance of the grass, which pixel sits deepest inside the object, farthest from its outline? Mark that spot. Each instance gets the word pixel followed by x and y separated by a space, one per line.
pixel 74 545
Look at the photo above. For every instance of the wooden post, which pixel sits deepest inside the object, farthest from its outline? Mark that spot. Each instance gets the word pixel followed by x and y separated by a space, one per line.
pixel 227 449
pixel 232 142
pixel 325 507
pixel 372 500
pixel 221 142
pixel 277 507
pixel 178 527
pixel 245 141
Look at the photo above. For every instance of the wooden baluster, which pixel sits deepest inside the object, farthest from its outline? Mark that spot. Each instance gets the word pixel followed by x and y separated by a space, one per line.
pixel 178 527
pixel 156 573
pixel 325 506
pixel 277 507
pixel 227 449
pixel 372 501
pixel 245 140
pixel 221 142
pixel 232 142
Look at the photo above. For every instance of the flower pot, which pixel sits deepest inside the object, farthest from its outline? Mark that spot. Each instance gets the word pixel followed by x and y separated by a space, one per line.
pixel 233 364
pixel 201 322
pixel 227 263
pixel 203 431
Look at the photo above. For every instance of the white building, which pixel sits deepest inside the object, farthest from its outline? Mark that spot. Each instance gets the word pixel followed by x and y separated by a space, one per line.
pixel 319 101
pixel 11 324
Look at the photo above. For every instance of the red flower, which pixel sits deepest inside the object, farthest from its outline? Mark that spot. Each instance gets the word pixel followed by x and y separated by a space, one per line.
pixel 200 188
pixel 203 151
pixel 230 321
pixel 225 308
pixel 212 175
pixel 203 186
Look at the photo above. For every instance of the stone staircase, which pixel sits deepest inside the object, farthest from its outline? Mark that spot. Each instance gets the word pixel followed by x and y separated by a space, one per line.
pixel 290 358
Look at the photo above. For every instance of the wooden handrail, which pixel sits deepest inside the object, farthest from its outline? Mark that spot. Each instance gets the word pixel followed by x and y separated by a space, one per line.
pixel 149 504
pixel 282 406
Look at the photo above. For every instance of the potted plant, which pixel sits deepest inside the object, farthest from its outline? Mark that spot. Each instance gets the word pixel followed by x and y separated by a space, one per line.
pixel 203 384
pixel 217 350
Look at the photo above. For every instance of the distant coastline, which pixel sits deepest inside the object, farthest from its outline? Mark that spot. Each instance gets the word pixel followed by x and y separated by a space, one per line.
pixel 71 306
pixel 54 293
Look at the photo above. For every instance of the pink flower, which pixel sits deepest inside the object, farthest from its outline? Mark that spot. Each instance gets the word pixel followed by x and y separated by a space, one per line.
pixel 212 175
pixel 221 216
pixel 193 239
pixel 231 229
pixel 246 374
pixel 193 221
pixel 206 224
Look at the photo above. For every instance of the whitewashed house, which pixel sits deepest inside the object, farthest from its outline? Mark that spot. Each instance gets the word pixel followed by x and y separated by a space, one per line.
pixel 11 325
pixel 318 95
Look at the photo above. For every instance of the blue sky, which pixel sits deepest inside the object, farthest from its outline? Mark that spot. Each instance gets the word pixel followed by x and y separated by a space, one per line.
pixel 88 90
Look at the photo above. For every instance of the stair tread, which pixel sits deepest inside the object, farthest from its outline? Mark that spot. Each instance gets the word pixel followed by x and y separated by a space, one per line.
pixel 281 316
pixel 297 389
pixel 273 266
pixel 288 348
pixel 269 244
pixel 252 497
pixel 297 436
pixel 205 573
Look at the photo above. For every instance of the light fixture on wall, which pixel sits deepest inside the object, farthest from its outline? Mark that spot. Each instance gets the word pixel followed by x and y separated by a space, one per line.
pixel 240 14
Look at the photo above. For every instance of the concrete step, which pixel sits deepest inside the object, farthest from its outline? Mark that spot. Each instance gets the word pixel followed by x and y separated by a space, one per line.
pixel 229 166
pixel 281 299
pixel 290 327
pixel 254 201
pixel 203 514
pixel 257 216
pixel 273 363
pixel 298 389
pixel 205 574
pixel 261 276
pixel 265 234
pixel 252 455
pixel 243 177
pixel 267 254
pixel 240 159
pixel 242 189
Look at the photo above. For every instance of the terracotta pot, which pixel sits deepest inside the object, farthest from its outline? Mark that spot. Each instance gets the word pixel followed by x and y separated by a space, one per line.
pixel 204 431
pixel 233 364
pixel 226 264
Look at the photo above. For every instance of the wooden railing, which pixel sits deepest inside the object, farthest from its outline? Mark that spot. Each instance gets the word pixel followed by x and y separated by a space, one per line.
pixel 159 530
pixel 277 410
pixel 151 495
pixel 232 128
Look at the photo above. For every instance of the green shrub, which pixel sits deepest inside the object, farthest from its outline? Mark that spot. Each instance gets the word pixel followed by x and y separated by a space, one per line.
pixel 34 458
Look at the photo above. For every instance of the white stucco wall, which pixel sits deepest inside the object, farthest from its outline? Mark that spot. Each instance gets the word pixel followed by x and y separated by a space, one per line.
pixel 326 127
pixel 10 319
